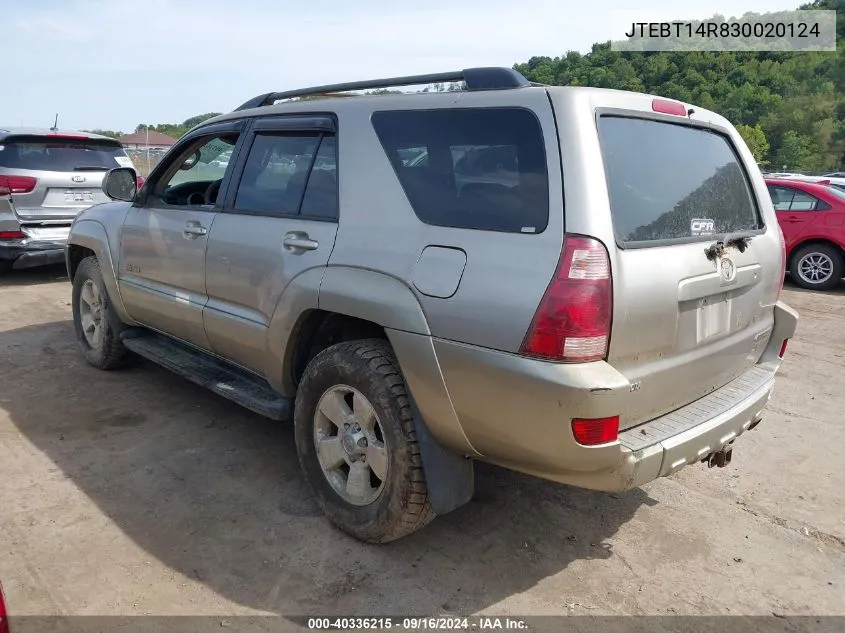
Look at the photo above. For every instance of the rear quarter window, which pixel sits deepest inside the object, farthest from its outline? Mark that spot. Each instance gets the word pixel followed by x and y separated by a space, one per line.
pixel 670 182
pixel 471 168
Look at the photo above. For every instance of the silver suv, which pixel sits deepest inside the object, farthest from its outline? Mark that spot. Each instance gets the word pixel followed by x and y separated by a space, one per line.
pixel 575 283
pixel 46 178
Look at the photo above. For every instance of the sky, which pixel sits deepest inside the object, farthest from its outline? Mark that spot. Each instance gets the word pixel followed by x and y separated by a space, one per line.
pixel 112 64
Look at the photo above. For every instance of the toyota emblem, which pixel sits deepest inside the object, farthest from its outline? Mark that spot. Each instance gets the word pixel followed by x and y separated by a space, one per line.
pixel 728 269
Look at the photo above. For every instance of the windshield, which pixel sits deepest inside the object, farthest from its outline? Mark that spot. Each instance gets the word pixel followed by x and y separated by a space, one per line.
pixel 39 153
pixel 673 182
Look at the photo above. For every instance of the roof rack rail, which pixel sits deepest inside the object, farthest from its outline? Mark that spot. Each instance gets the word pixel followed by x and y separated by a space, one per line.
pixel 487 78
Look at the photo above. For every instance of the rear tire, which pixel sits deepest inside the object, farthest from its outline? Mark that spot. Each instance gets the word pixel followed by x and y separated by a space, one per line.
pixel 368 478
pixel 96 325
pixel 817 267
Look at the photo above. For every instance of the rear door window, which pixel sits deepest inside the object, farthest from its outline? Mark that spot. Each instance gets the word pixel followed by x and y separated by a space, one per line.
pixel 62 154
pixel 288 174
pixel 670 182
pixel 473 168
pixel 791 199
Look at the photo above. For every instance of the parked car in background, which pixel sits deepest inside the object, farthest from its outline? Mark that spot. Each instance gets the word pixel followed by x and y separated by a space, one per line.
pixel 4 613
pixel 812 218
pixel 838 183
pixel 46 178
pixel 448 292
pixel 835 174
pixel 783 174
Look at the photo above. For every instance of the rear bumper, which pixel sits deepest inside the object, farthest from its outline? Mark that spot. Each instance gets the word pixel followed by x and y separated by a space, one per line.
pixel 517 412
pixel 686 436
pixel 29 253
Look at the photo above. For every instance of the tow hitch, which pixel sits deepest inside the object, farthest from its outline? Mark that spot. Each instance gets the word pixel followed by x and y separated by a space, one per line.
pixel 720 458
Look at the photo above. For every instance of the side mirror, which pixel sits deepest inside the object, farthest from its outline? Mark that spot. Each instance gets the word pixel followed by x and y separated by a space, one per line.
pixel 121 184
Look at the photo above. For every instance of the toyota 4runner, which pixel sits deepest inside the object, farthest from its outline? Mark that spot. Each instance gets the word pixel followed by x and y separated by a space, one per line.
pixel 576 283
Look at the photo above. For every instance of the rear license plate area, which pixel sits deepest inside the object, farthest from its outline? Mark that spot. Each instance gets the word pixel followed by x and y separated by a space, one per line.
pixel 79 195
pixel 713 317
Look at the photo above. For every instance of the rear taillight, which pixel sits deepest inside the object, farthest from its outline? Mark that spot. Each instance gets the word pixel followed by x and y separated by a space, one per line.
pixel 16 184
pixel 12 235
pixel 572 322
pixel 139 181
pixel 591 432
pixel 783 348
pixel 4 619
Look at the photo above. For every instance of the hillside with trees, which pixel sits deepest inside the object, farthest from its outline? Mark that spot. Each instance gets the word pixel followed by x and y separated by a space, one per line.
pixel 789 107
pixel 175 130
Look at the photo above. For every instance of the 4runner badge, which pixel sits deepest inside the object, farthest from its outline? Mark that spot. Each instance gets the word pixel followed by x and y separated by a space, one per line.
pixel 702 227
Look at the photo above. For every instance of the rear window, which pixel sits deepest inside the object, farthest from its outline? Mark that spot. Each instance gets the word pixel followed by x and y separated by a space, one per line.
pixel 673 182
pixel 44 154
pixel 473 168
pixel 838 191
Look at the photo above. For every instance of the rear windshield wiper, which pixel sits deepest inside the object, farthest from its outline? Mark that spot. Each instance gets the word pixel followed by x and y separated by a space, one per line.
pixel 90 168
pixel 717 248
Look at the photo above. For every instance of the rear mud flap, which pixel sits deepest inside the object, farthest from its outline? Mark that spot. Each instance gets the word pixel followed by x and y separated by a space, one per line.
pixel 450 477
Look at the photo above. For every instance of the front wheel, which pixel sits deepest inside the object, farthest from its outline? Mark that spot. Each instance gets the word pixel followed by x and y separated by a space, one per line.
pixel 817 266
pixel 357 444
pixel 93 318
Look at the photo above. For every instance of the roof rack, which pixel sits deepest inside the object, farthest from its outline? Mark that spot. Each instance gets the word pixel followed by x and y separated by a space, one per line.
pixel 488 78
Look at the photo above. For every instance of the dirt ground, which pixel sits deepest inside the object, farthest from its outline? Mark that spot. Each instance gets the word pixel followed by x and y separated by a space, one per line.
pixel 136 492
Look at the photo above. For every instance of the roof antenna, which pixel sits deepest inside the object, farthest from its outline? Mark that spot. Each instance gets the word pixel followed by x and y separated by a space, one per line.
pixel 55 123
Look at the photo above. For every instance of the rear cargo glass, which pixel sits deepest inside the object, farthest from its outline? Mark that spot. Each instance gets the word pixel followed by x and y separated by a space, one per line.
pixel 470 168
pixel 671 182
pixel 44 154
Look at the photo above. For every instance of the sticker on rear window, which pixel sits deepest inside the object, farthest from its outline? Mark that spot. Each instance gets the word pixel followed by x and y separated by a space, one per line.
pixel 702 227
pixel 123 161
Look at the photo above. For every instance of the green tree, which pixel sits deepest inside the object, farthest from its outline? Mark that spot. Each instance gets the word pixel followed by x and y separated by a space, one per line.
pixel 755 138
pixel 175 130
pixel 797 153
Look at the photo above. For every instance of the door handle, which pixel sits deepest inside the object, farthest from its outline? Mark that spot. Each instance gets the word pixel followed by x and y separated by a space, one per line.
pixel 299 241
pixel 793 218
pixel 193 230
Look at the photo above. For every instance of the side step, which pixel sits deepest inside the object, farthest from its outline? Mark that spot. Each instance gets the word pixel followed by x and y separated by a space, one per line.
pixel 216 375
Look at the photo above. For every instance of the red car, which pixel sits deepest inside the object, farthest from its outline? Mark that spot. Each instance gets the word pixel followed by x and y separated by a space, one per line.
pixel 812 218
pixel 4 619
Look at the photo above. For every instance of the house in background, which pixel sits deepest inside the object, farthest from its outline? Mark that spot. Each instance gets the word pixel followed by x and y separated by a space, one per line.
pixel 147 140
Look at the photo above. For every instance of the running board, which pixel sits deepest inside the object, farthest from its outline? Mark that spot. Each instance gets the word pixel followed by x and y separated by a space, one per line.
pixel 218 376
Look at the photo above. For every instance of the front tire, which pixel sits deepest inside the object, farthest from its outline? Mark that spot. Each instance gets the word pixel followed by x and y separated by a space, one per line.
pixel 817 267
pixel 357 444
pixel 94 319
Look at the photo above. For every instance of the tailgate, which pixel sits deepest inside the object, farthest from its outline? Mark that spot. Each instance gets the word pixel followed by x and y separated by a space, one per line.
pixel 689 317
pixel 60 196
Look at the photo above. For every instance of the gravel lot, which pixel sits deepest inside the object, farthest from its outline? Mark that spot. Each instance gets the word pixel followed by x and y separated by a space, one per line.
pixel 135 492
